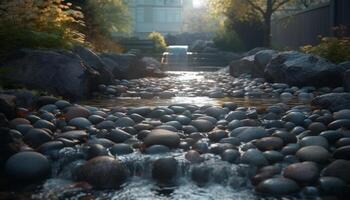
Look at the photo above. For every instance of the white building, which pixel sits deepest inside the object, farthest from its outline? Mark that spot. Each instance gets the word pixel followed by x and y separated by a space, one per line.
pixel 164 16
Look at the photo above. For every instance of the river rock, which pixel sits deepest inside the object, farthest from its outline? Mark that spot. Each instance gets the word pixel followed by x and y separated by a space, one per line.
pixel 103 172
pixel 342 114
pixel 118 136
pixel 307 70
pixel 254 157
pixel 338 168
pixel 202 125
pixel 269 143
pixel 305 172
pixel 216 112
pixel 108 125
pixel 162 137
pixel 124 122
pixel 278 186
pixel 121 149
pixel 314 141
pixel 76 111
pixel 80 123
pixel 342 153
pixel 157 149
pixel 295 117
pixel 316 154
pixel 36 137
pixel 230 155
pixel 332 186
pixel 164 169
pixel 247 134
pixel 332 101
pixel 28 166
pixel 44 124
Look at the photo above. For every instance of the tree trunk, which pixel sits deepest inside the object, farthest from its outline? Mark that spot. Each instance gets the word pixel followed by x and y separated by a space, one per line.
pixel 267 31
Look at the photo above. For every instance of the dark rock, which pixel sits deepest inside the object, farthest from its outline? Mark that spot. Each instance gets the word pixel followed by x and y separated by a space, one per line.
pixel 278 186
pixel 28 166
pixel 314 141
pixel 164 169
pixel 118 135
pixel 217 135
pixel 306 69
pixel 342 153
pixel 200 174
pixel 36 137
pixel 103 173
pixel 316 154
pixel 246 65
pixel 74 135
pixel 108 125
pixel 193 156
pixel 216 112
pixel 124 122
pixel 95 150
pixel 76 111
pixel 162 137
pixel 157 149
pixel 338 168
pixel 8 105
pixel 44 124
pixel 202 125
pixel 80 123
pixel 254 157
pixel 57 71
pixel 247 134
pixel 347 80
pixel 230 155
pixel 333 101
pixel 332 186
pixel 305 172
pixel 269 143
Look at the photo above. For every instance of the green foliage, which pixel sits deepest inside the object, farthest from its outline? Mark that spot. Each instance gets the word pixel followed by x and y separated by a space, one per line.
pixel 159 41
pixel 38 24
pixel 334 49
pixel 228 40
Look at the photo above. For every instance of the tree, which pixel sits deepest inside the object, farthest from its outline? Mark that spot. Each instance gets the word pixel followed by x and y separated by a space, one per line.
pixel 159 41
pixel 251 10
pixel 103 18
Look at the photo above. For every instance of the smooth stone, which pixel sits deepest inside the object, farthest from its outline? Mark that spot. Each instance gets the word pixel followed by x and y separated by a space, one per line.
pixel 62 104
pixel 201 146
pixel 162 137
pixel 124 122
pixel 296 117
pixel 165 169
pixel 290 149
pixel 24 128
pixel 118 135
pixel 27 166
pixel 235 124
pixel 103 172
pixel 44 100
pixel 287 137
pixel 108 125
pixel 230 155
pixel 184 120
pixel 174 124
pixel 316 154
pixel 48 108
pixel 18 121
pixel 202 125
pixel 74 135
pixel 167 127
pixel 136 118
pixel 80 123
pixel 200 174
pixel 342 114
pixel 278 186
pixel 157 149
pixel 247 134
pixel 102 141
pixel 342 153
pixel 95 150
pixel 254 157
pixel 269 143
pixel 338 168
pixel 216 112
pixel 305 172
pixel 332 186
pixel 121 149
pixel 332 135
pixel 273 156
pixel 36 137
pixel 188 129
pixel 236 115
pixel 75 112
pixel 217 135
pixel 340 123
pixel 95 119
pixel 317 127
pixel 314 141
pixel 49 147
pixel 193 156
pixel 231 140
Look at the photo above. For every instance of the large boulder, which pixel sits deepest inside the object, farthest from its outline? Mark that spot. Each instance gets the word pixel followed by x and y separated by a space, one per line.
pixel 92 60
pixel 298 69
pixel 246 65
pixel 153 67
pixel 124 66
pixel 333 101
pixel 58 71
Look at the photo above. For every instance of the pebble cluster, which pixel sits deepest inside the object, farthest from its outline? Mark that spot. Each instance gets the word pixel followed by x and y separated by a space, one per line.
pixel 292 151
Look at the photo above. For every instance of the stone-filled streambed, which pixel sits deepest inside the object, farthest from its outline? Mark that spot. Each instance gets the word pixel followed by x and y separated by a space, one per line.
pixel 185 136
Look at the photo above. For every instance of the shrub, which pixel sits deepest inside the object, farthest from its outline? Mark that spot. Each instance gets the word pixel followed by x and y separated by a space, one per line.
pixel 228 40
pixel 159 41
pixel 334 49
pixel 38 23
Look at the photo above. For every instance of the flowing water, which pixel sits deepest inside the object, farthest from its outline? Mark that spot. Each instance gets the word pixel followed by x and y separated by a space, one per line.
pixel 226 181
